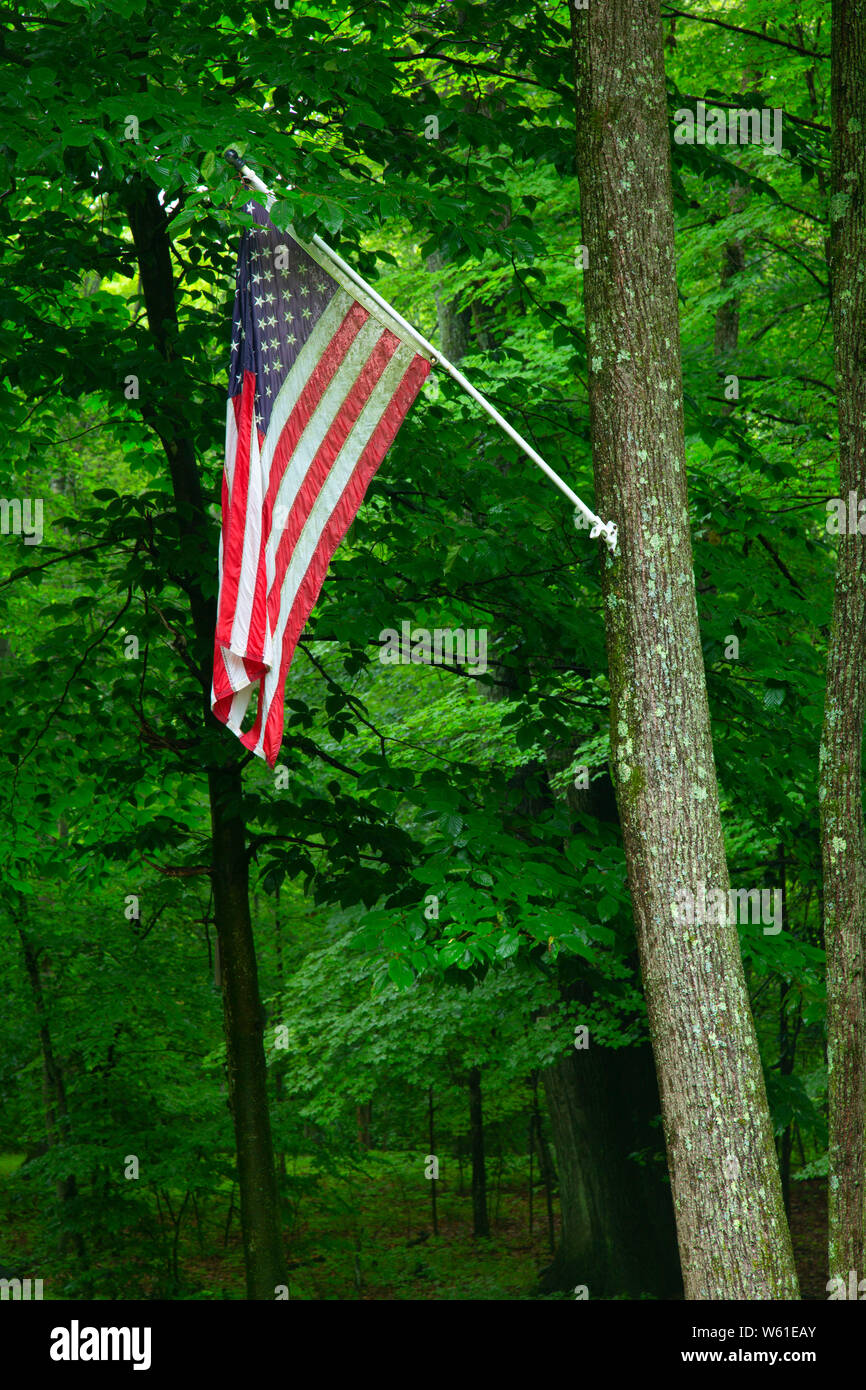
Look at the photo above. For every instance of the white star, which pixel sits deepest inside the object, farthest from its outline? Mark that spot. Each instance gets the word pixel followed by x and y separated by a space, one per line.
pixel 259 301
pixel 322 287
pixel 291 339
pixel 306 313
pixel 305 289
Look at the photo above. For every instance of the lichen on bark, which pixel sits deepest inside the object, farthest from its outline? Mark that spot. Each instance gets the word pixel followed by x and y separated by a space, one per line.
pixel 733 1236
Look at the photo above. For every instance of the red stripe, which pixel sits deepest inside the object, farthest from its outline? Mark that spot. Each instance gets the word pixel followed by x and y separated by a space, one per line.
pixel 326 455
pixel 302 412
pixel 221 684
pixel 225 499
pixel 222 687
pixel 234 525
pixel 337 526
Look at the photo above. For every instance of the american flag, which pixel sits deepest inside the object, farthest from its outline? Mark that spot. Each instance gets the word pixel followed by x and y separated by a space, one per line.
pixel 319 383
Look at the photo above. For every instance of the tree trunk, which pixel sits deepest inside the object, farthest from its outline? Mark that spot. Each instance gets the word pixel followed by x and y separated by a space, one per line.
pixel 727 329
pixel 843 842
pixel 244 1022
pixel 53 1087
pixel 455 325
pixel 364 1116
pixel 242 1010
pixel 432 1134
pixel 733 1236
pixel 480 1222
pixel 618 1234
pixel 545 1163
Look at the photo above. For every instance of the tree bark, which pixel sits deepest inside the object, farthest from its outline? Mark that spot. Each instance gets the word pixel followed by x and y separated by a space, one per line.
pixel 843 841
pixel 243 1015
pixel 733 1236
pixel 480 1221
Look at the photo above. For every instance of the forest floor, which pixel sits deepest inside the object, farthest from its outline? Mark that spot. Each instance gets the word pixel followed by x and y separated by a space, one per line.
pixel 364 1234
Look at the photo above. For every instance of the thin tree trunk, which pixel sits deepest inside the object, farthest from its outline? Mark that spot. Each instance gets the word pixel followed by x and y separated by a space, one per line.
pixel 242 1010
pixel 278 1070
pixel 432 1150
pixel 244 1021
pixel 843 841
pixel 545 1163
pixel 531 1156
pixel 364 1115
pixel 53 1086
pixel 480 1222
pixel 727 326
pixel 733 1235
pixel 788 1036
pixel 787 1054
pixel 229 1216
pixel 455 325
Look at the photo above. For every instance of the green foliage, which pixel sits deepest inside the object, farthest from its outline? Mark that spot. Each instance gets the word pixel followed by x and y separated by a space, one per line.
pixel 403 783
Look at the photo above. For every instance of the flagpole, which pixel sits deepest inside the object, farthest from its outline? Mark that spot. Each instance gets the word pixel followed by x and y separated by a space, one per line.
pixel 606 529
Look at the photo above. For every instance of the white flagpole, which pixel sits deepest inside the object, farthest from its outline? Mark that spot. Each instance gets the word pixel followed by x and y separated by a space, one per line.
pixel 606 529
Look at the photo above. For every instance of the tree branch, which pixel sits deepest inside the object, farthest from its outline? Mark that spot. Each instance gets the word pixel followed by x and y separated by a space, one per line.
pixel 668 13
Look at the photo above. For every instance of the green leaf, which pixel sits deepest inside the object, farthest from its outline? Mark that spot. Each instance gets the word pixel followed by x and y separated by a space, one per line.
pixel 401 973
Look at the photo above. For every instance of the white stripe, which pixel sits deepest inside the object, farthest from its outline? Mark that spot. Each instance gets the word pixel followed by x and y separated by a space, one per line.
pixel 231 445
pixel 239 708
pixel 260 464
pixel 323 508
pixel 259 471
pixel 229 473
pixel 318 426
pixel 302 457
pixel 305 364
pixel 252 523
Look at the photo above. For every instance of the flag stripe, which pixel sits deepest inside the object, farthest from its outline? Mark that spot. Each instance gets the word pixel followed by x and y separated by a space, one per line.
pixel 319 383
pixel 236 518
pixel 305 391
pixel 326 454
pixel 306 571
